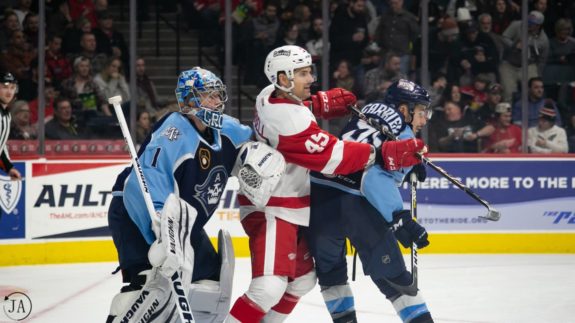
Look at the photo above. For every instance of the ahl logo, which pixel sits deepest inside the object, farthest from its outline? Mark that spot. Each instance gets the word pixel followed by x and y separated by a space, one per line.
pixel 9 194
pixel 172 133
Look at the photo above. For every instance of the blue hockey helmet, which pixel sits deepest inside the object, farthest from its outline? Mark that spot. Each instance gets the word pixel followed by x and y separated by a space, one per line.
pixel 409 93
pixel 201 93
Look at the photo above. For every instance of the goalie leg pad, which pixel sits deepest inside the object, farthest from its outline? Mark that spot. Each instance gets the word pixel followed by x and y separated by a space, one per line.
pixel 259 168
pixel 209 299
pixel 148 298
pixel 228 258
pixel 172 251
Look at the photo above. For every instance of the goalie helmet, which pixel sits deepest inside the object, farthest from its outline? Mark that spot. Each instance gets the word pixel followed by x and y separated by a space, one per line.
pixel 207 93
pixel 286 59
pixel 409 93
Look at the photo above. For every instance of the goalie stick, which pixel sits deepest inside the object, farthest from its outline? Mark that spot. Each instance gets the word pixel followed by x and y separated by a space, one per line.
pixel 182 303
pixel 492 214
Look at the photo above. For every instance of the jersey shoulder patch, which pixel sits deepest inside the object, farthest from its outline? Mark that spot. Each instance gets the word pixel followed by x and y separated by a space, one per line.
pixel 177 134
pixel 235 131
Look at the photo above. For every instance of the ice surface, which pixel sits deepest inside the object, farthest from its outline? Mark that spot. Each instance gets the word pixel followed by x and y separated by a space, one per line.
pixel 457 288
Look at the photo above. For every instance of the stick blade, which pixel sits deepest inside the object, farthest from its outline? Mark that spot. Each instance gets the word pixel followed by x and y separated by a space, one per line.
pixel 492 215
pixel 115 100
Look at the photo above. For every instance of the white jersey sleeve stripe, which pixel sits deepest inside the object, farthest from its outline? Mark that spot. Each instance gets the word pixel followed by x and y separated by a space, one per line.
pixel 335 159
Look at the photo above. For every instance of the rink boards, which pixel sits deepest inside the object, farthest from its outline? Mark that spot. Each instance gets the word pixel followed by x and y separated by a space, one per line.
pixel 59 212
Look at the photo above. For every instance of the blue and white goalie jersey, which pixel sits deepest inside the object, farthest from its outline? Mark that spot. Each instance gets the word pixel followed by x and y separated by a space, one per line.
pixel 378 185
pixel 176 158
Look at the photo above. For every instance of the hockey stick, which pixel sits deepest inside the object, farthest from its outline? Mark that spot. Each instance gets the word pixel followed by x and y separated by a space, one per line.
pixel 184 308
pixel 411 289
pixel 413 181
pixel 492 214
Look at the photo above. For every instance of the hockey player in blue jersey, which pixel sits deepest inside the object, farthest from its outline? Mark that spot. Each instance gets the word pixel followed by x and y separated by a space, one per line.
pixel 186 163
pixel 367 208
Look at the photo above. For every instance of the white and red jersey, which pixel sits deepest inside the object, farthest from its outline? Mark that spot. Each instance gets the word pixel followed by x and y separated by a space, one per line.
pixel 292 129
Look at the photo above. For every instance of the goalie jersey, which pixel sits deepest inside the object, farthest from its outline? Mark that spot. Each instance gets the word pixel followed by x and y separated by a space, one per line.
pixel 177 158
pixel 374 181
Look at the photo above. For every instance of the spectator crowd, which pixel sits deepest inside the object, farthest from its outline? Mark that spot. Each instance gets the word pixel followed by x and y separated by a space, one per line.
pixel 85 63
pixel 474 56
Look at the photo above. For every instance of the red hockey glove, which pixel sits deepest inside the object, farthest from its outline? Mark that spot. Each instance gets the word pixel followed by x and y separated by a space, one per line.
pixel 332 103
pixel 401 153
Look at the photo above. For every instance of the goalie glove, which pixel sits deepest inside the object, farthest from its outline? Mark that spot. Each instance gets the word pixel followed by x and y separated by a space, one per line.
pixel 407 231
pixel 172 250
pixel 331 103
pixel 259 169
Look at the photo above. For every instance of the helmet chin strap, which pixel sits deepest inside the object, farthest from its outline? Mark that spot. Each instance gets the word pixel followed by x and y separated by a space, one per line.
pixel 289 92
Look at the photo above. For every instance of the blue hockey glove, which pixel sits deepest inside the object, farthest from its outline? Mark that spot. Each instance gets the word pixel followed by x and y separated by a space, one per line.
pixel 419 171
pixel 408 231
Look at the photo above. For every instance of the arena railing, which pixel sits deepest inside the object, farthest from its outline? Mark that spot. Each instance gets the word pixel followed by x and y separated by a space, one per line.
pixel 69 149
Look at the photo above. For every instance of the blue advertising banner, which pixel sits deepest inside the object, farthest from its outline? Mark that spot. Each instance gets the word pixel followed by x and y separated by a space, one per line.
pixel 536 194
pixel 12 204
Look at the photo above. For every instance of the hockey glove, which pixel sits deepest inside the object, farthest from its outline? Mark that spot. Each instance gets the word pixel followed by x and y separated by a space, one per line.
pixel 419 171
pixel 332 103
pixel 396 154
pixel 258 168
pixel 172 250
pixel 408 231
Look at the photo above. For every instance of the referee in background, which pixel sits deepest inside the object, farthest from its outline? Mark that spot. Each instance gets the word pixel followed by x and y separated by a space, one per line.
pixel 8 89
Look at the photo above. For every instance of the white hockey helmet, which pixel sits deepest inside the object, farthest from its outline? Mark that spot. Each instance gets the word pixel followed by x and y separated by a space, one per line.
pixel 286 59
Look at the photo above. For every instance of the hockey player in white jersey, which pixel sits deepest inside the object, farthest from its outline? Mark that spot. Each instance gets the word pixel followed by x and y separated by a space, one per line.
pixel 186 163
pixel 282 268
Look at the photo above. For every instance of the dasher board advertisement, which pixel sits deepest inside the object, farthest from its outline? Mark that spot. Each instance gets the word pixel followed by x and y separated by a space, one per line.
pixel 70 199
pixel 532 194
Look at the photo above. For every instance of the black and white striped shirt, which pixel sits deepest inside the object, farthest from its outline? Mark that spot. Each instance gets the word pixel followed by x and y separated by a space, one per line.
pixel 5 119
